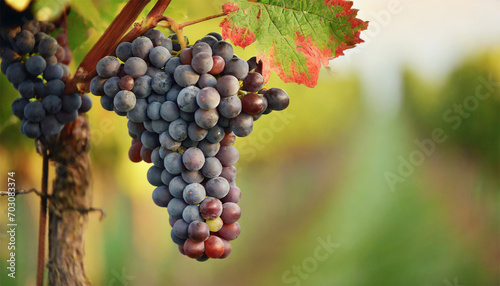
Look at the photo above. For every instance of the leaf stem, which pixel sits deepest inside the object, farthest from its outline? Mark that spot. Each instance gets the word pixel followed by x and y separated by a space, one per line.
pixel 188 23
pixel 42 220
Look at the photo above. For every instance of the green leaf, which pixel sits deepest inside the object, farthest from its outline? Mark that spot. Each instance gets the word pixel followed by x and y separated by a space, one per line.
pixel 294 38
pixel 89 12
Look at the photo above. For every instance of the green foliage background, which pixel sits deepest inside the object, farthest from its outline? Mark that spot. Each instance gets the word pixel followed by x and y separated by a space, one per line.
pixel 313 172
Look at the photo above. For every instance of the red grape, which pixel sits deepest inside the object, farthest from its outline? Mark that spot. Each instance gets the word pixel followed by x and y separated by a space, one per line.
pixel 227 249
pixel 214 247
pixel 252 103
pixel 230 231
pixel 231 213
pixel 211 208
pixel 218 66
pixel 194 249
pixel 234 195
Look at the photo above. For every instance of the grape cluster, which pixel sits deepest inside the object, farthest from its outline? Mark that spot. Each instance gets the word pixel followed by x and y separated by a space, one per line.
pixel 185 109
pixel 36 64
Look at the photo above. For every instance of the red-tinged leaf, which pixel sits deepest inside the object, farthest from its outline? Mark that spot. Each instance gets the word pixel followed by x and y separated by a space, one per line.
pixel 294 38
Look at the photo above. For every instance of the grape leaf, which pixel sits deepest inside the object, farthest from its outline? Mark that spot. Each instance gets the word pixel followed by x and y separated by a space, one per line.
pixel 294 38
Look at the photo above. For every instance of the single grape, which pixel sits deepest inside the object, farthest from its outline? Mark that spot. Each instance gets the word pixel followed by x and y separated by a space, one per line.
pixel 34 111
pixel 142 86
pixel 172 64
pixel 242 125
pixel 107 103
pixel 194 194
pixel 180 229
pixel 229 173
pixel 218 66
pixel 153 34
pixel 86 103
pixel 146 154
pixel 215 134
pixel 176 207
pixel 186 56
pixel 208 148
pixel 16 73
pixel 228 140
pixel 141 47
pixel 233 196
pixel 25 41
pixel 173 93
pixel 277 99
pixel 160 126
pixel 97 85
pixel 107 67
pixel 210 40
pixel 202 62
pixel 206 118
pixel 227 249
pixel 156 159
pixel 231 213
pixel 164 42
pixel 55 87
pixel 47 47
pixel 198 231
pixel 237 68
pixel 194 249
pixel 215 224
pixel 166 177
pixel 173 163
pixel 195 132
pixel 161 83
pixel 208 98
pixel 159 56
pixel 71 102
pixel 253 82
pixel 35 65
pixel 217 187
pixel 215 35
pixel 53 71
pixel 211 208
pixel 192 177
pixel 18 106
pixel 193 159
pixel 228 155
pixel 212 168
pixel 126 83
pixel 187 99
pixel 150 140
pixel 175 239
pixel 169 111
pixel 223 49
pixel 154 176
pixel 191 213
pixel 40 89
pixel 50 126
pixel 186 116
pixel 253 103
pixel 178 130
pixel 31 129
pixel 153 110
pixel 176 187
pixel 230 231
pixel 214 247
pixel 168 143
pixel 124 100
pixel 124 51
pixel 230 107
pixel 154 97
pixel 135 67
pixel 161 196
pixel 207 80
pixel 112 86
pixel 138 114
pixel 228 85
pixel 185 76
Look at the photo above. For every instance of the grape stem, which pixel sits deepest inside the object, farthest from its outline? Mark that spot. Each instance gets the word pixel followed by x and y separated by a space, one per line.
pixel 188 23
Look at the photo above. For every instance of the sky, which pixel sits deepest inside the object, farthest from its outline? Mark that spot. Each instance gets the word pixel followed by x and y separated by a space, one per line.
pixel 430 36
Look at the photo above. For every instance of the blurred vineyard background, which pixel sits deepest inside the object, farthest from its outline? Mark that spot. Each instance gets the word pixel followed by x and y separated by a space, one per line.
pixel 328 170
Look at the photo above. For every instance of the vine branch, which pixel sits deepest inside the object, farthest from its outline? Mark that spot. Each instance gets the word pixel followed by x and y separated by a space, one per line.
pixel 42 220
pixel 188 23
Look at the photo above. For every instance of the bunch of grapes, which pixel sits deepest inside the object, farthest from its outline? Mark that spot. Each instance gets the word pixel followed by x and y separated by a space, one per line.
pixel 185 109
pixel 36 64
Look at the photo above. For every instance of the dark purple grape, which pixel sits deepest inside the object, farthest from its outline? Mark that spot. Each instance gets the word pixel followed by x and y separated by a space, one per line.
pixel 198 231
pixel 135 67
pixel 124 51
pixel 176 207
pixel 202 62
pixel 124 100
pixel 233 196
pixel 212 168
pixel 277 99
pixel 253 103
pixel 223 49
pixel 194 193
pixel 242 125
pixel 230 231
pixel 253 82
pixel 237 68
pixel 108 67
pixel 228 155
pixel 206 118
pixel 191 213
pixel 161 196
pixel 207 80
pixel 180 229
pixel 35 65
pixel 18 106
pixel 185 75
pixel 208 98
pixel 47 47
pixel 154 176
pixel 193 159
pixel 34 111
pixel 217 187
pixel 208 148
pixel 141 47
pixel 228 85
pixel 201 47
